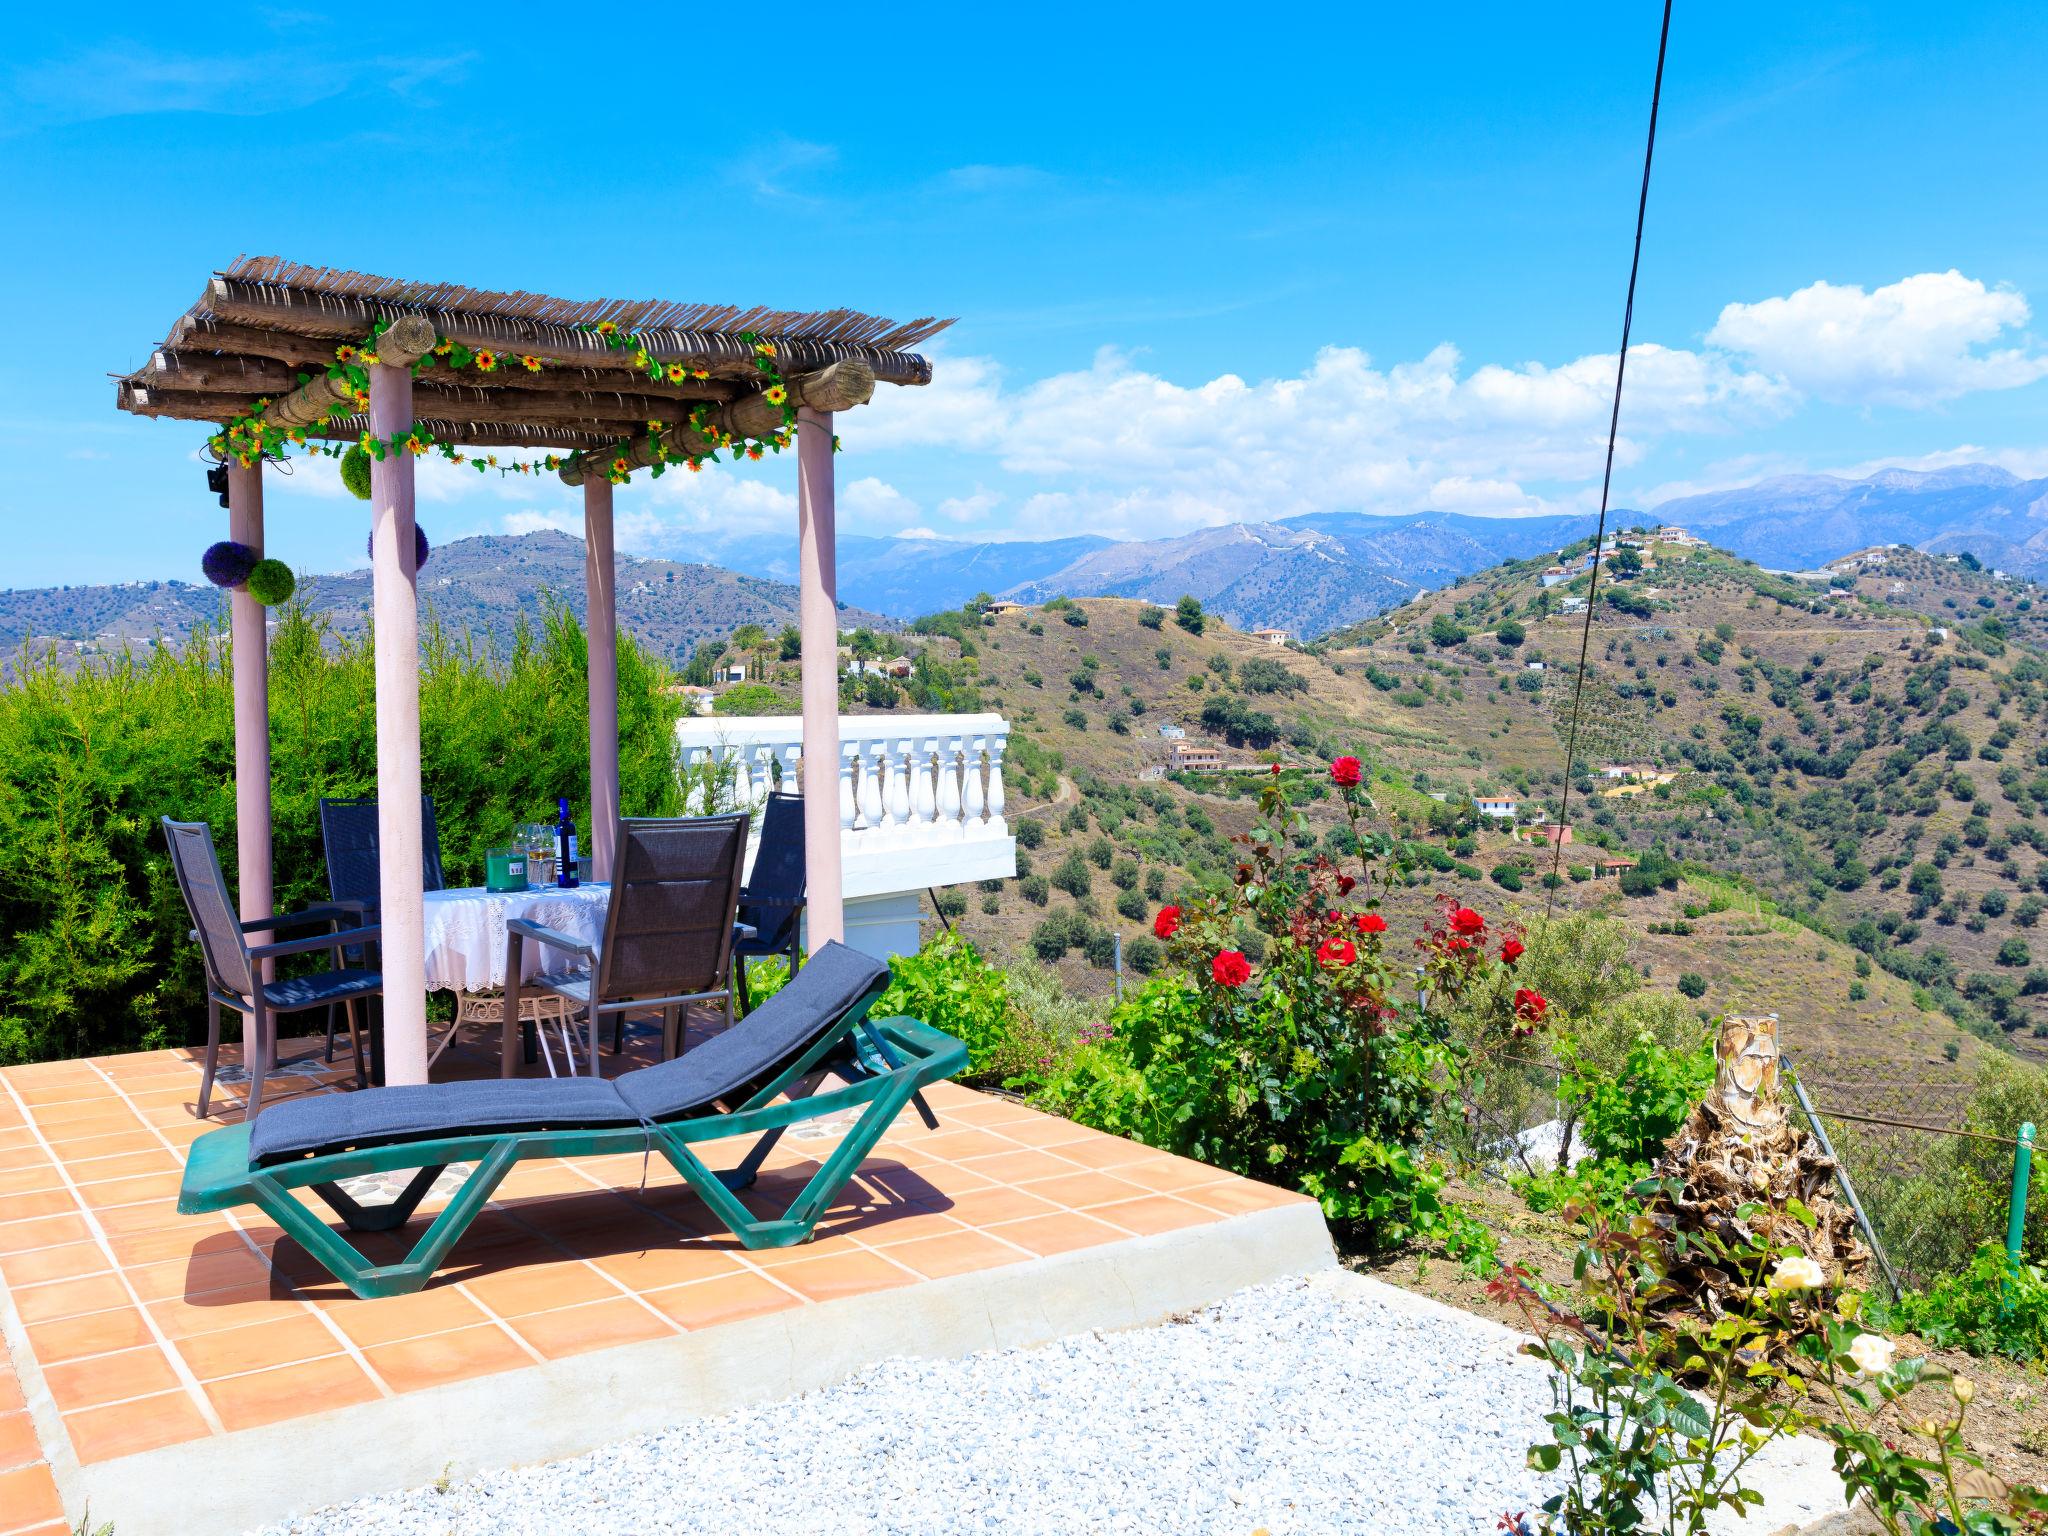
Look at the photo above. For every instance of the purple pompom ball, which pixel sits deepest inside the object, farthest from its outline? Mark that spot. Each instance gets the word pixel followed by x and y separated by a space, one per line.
pixel 420 547
pixel 228 564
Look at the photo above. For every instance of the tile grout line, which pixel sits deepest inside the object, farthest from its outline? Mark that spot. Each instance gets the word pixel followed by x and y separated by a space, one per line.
pixel 346 1344
pixel 179 1368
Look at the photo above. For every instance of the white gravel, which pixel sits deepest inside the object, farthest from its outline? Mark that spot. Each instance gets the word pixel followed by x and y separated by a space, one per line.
pixel 1327 1405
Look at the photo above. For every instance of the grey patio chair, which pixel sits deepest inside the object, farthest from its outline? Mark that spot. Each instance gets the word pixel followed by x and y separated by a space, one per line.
pixel 348 841
pixel 772 900
pixel 668 933
pixel 234 967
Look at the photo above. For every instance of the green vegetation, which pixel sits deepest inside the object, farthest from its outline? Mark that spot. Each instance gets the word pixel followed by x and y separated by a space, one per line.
pixel 97 959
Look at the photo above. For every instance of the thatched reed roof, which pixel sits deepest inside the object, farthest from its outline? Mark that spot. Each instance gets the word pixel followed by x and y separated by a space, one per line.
pixel 263 322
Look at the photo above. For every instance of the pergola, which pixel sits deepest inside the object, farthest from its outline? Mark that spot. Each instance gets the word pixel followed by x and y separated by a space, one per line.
pixel 278 352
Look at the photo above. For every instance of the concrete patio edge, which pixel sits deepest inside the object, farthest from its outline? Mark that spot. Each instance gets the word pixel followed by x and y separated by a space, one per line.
pixel 225 1485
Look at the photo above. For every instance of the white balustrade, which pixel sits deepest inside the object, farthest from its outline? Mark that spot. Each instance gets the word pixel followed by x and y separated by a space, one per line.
pixel 901 782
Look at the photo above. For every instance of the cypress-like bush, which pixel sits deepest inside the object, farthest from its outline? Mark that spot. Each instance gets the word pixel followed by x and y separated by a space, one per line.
pixel 96 957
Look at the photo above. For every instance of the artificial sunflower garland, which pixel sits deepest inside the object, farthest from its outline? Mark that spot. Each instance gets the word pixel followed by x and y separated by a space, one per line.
pixel 249 438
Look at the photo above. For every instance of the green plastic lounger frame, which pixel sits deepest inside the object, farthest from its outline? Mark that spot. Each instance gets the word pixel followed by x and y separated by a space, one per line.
pixel 816 1026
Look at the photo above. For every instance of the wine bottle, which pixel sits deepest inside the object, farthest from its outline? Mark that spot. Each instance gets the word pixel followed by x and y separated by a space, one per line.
pixel 565 844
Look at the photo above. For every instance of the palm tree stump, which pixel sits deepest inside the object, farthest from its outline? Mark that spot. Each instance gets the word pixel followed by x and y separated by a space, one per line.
pixel 1738 1170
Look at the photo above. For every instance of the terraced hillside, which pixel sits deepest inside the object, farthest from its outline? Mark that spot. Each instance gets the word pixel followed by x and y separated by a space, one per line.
pixel 1868 751
pixel 1111 831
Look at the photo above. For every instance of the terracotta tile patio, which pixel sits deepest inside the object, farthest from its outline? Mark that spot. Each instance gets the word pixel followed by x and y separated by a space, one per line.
pixel 147 1328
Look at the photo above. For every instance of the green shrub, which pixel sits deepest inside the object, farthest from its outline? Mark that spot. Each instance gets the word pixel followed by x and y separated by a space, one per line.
pixel 1132 905
pixel 1072 876
pixel 949 986
pixel 1151 617
pixel 97 959
pixel 1990 1308
pixel 1029 832
pixel 1100 948
pixel 749 699
pixel 1035 889
pixel 1143 954
pixel 1692 984
pixel 1058 933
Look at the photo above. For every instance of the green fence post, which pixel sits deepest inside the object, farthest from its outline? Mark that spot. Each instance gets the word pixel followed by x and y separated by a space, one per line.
pixel 2016 1218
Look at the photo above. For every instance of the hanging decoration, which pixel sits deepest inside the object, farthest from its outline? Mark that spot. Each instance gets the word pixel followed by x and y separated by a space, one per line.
pixel 355 472
pixel 420 547
pixel 228 564
pixel 271 582
pixel 249 438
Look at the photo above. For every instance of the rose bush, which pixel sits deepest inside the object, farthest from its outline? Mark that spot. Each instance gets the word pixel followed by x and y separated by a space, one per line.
pixel 1323 1065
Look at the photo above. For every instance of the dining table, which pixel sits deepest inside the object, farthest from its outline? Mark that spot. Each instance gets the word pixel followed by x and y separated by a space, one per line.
pixel 466 934
pixel 465 930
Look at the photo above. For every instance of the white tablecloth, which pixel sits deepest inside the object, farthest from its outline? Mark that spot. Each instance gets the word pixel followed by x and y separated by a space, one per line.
pixel 466 932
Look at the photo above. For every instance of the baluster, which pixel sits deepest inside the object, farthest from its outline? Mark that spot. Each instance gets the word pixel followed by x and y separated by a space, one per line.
pixel 902 793
pixel 924 797
pixel 764 780
pixel 742 780
pixel 871 786
pixel 697 779
pixel 971 802
pixel 996 742
pixel 949 790
pixel 849 806
pixel 793 768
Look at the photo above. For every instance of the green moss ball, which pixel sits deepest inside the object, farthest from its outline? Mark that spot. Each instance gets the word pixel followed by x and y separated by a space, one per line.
pixel 271 582
pixel 355 472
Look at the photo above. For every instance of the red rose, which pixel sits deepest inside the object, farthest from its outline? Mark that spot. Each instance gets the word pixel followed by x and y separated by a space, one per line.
pixel 1276 770
pixel 1337 952
pixel 1346 772
pixel 1230 969
pixel 1465 920
pixel 1167 922
pixel 1344 885
pixel 1530 1006
pixel 1371 922
pixel 1511 950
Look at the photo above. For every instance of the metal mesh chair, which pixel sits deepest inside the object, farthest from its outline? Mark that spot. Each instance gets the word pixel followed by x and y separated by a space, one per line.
pixel 348 841
pixel 668 932
pixel 772 900
pixel 233 966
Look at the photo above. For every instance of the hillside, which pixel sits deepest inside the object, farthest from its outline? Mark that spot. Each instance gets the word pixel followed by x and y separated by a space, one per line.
pixel 1089 792
pixel 1868 753
pixel 480 585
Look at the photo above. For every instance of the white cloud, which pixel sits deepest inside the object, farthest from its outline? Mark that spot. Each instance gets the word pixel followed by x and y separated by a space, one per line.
pixel 1916 342
pixel 1136 453
pixel 974 508
pixel 531 521
pixel 869 505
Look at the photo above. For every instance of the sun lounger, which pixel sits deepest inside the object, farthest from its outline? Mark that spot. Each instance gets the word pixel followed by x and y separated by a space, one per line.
pixel 756 1079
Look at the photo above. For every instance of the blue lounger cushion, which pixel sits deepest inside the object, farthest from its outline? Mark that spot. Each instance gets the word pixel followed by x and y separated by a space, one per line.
pixel 375 1116
pixel 836 980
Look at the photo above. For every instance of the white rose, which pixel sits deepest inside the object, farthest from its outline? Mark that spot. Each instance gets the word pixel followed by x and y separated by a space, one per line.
pixel 1872 1354
pixel 1797 1273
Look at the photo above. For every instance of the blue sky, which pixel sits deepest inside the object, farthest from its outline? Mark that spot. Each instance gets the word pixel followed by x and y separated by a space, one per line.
pixel 1207 265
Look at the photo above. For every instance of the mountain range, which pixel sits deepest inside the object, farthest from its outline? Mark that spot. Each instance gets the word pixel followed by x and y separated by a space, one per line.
pixel 1320 572
pixel 1309 575
pixel 480 586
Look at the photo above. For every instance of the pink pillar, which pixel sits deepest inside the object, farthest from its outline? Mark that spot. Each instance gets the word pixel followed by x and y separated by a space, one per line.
pixel 818 624
pixel 247 626
pixel 600 583
pixel 396 626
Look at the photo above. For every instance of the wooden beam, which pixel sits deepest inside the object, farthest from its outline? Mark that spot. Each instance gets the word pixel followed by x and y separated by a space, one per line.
pixel 193 340
pixel 203 370
pixel 309 313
